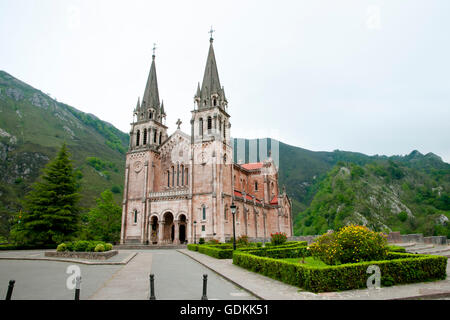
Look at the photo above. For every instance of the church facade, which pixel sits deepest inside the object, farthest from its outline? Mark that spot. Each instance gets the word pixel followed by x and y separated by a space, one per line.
pixel 179 188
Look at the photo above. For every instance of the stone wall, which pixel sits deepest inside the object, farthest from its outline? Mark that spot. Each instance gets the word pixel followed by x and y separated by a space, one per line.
pixel 396 237
pixel 82 255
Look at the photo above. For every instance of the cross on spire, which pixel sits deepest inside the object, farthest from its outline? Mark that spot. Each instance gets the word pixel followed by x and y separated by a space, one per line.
pixel 154 48
pixel 211 32
pixel 178 123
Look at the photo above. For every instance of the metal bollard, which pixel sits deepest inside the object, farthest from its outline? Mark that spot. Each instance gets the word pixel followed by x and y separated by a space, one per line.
pixel 77 288
pixel 10 289
pixel 205 280
pixel 152 287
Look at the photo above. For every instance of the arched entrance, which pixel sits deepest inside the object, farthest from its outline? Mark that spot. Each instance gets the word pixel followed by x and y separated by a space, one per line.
pixel 182 229
pixel 168 231
pixel 154 227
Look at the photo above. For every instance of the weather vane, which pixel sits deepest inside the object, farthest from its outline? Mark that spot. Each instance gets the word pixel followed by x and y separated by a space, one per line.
pixel 211 32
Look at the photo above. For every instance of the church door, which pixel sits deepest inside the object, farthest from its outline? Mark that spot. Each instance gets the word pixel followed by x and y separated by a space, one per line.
pixel 182 233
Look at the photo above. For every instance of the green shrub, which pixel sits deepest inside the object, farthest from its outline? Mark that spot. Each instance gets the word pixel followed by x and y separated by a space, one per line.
pixel 215 252
pixel 61 247
pixel 192 246
pixel 351 244
pixel 242 240
pixel 399 268
pixel 99 248
pixel 394 248
pixel 278 238
pixel 80 246
pixel 201 241
pixel 213 241
pixel 402 216
pixel 108 246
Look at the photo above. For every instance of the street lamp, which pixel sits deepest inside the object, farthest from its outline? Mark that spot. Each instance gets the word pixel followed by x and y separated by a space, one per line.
pixel 195 231
pixel 233 212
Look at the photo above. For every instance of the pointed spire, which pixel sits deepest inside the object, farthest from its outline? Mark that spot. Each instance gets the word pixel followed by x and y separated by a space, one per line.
pixel 151 94
pixel 162 108
pixel 197 95
pixel 210 83
pixel 138 105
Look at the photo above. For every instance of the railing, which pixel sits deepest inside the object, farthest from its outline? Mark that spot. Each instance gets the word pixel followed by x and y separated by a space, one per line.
pixel 168 194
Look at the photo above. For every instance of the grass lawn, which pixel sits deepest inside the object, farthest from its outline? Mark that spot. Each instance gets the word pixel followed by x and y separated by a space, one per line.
pixel 310 261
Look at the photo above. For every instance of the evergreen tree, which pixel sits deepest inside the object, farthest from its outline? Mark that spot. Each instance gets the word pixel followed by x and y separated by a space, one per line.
pixel 51 212
pixel 104 221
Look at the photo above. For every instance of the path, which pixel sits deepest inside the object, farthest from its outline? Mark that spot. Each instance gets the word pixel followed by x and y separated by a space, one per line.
pixel 177 277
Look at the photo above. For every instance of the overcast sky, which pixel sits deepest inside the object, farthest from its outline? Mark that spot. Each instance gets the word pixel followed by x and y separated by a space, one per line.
pixel 366 76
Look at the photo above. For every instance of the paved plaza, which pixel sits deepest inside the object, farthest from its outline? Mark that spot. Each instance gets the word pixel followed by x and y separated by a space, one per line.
pixel 177 277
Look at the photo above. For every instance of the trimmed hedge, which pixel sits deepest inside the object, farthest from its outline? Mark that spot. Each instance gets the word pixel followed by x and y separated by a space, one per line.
pixel 288 244
pixel 394 248
pixel 399 268
pixel 225 250
pixel 192 246
pixel 215 252
pixel 281 253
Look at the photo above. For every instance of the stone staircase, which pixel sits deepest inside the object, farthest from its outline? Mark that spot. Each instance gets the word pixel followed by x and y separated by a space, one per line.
pixel 139 246
pixel 422 248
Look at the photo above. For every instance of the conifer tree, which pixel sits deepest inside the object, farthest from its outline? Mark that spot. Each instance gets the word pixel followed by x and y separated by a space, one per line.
pixel 51 212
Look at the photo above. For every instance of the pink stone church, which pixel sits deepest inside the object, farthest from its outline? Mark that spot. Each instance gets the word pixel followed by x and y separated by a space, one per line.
pixel 180 187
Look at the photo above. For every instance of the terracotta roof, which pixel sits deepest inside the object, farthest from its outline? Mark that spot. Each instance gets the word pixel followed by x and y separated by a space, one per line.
pixel 274 200
pixel 247 196
pixel 252 166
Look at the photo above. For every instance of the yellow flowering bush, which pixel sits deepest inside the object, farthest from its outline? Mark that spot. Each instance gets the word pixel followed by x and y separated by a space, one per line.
pixel 351 244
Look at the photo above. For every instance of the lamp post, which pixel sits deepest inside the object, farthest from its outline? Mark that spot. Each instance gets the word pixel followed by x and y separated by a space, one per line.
pixel 195 231
pixel 233 212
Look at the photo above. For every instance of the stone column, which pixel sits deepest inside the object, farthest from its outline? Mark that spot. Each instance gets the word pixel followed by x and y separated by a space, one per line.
pixel 160 232
pixel 176 236
pixel 188 232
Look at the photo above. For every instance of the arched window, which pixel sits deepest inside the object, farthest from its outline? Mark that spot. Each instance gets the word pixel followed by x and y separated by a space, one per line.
pixel 256 185
pixel 203 213
pixel 138 137
pixel 154 136
pixel 214 102
pixel 224 134
pixel 209 124
pixel 168 178
pixel 178 174
pixel 135 216
pixel 145 136
pixel 182 175
pixel 150 115
pixel 200 127
pixel 187 176
pixel 173 176
pixel 160 137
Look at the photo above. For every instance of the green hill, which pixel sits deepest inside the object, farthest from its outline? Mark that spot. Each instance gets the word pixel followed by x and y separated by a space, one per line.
pixel 408 194
pixel 32 128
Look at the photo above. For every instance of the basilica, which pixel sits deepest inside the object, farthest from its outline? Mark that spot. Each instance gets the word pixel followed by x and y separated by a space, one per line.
pixel 179 187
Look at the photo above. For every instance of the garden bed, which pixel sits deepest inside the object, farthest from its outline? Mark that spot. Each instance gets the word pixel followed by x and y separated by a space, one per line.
pixel 398 268
pixel 225 250
pixel 82 255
